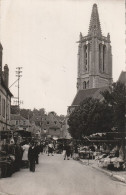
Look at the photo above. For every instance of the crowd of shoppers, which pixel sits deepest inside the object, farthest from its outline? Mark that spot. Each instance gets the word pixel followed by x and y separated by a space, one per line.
pixel 17 155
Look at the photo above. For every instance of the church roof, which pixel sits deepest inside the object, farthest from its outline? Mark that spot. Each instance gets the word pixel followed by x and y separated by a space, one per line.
pixel 94 27
pixel 86 93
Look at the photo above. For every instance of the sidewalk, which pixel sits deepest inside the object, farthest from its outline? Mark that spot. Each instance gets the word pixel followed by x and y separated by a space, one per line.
pixel 119 175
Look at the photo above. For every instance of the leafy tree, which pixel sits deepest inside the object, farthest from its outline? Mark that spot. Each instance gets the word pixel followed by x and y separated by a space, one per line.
pixel 26 113
pixel 116 99
pixel 14 109
pixel 91 116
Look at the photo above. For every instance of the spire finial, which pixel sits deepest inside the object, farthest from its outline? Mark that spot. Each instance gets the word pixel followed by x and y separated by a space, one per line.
pixel 94 27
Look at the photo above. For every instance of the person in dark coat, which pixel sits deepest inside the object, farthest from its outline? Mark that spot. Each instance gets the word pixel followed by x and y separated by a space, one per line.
pixel 37 152
pixel 31 157
pixel 67 148
pixel 41 147
pixel 18 157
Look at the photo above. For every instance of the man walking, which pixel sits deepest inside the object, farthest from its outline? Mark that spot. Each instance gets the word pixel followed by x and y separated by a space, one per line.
pixel 31 157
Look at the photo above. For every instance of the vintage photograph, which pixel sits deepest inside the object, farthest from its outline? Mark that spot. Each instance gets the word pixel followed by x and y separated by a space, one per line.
pixel 62 97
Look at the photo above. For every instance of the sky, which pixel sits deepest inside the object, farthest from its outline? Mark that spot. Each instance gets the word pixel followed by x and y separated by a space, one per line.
pixel 40 36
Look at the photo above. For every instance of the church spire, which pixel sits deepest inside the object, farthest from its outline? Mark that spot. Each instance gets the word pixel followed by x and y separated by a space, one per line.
pixel 94 27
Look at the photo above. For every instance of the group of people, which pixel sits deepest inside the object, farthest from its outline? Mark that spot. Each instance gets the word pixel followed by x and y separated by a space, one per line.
pixel 32 150
pixel 31 153
pixel 70 150
pixel 26 154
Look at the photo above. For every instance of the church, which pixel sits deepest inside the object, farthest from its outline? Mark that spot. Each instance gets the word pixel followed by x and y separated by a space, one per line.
pixel 94 62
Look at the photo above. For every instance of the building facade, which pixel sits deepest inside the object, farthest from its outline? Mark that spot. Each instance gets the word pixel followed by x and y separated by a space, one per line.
pixel 5 96
pixel 50 124
pixel 19 123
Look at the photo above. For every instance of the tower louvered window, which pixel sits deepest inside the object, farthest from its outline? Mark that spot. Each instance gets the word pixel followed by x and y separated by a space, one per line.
pixel 86 56
pixel 104 57
pixel 0 104
pixel 100 57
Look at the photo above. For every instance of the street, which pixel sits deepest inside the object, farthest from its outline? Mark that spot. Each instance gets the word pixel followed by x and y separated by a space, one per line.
pixel 55 176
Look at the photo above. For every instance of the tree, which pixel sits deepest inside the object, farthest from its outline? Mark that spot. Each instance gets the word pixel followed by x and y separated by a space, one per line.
pixel 116 99
pixel 26 113
pixel 91 116
pixel 94 116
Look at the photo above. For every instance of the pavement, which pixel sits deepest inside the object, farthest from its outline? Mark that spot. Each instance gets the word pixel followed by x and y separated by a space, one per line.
pixel 118 175
pixel 56 176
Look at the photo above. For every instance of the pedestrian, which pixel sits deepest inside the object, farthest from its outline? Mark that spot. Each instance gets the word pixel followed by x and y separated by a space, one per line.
pixel 41 147
pixel 31 157
pixel 76 155
pixel 18 156
pixel 71 149
pixel 37 152
pixel 25 162
pixel 68 150
pixel 50 148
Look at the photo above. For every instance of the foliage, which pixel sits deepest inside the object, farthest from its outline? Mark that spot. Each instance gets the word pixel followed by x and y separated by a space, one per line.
pixel 93 116
pixel 116 99
pixel 90 117
pixel 26 113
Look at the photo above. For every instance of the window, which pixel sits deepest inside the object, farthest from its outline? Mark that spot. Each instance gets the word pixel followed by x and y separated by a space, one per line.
pixel 16 122
pixel 8 111
pixel 47 122
pixel 104 56
pixel 0 104
pixel 87 85
pixel 84 85
pixel 86 57
pixel 3 107
pixel 100 57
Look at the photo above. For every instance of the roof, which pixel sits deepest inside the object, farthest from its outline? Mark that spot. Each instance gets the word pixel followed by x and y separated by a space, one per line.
pixel 122 77
pixel 86 93
pixel 17 117
pixel 5 87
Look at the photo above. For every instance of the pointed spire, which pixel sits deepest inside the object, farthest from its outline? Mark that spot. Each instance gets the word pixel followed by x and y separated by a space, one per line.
pixel 94 27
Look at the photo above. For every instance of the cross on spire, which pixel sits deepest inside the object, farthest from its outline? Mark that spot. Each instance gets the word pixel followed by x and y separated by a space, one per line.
pixel 94 27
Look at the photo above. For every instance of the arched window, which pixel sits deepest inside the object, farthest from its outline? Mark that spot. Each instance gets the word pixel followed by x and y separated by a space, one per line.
pixel 104 57
pixel 84 85
pixel 100 57
pixel 87 85
pixel 85 58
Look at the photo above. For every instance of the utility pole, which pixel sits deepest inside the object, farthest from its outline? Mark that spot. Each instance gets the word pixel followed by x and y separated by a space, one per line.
pixel 18 74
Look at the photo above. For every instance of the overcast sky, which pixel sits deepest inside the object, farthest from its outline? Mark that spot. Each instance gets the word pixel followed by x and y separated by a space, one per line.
pixel 41 35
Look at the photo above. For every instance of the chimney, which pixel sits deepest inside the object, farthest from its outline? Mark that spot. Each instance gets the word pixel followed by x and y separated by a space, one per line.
pixel 6 75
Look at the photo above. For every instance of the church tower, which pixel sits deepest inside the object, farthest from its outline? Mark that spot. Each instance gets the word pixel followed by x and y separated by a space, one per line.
pixel 94 56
